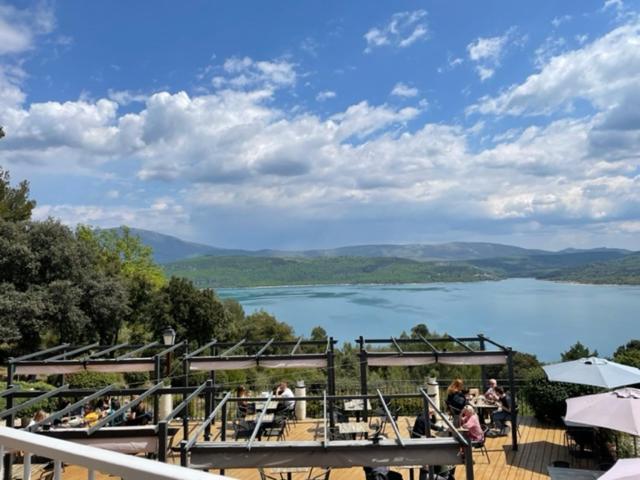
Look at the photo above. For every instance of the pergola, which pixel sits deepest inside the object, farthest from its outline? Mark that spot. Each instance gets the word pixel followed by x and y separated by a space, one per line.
pixel 66 358
pixel 374 451
pixel 243 355
pixel 478 350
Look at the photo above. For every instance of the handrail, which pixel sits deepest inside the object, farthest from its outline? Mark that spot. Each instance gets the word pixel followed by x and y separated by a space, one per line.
pixel 33 401
pixel 204 424
pixel 97 459
pixel 450 426
pixel 70 408
pixel 256 429
pixel 123 409
pixel 390 417
pixel 325 442
pixel 12 390
pixel 174 413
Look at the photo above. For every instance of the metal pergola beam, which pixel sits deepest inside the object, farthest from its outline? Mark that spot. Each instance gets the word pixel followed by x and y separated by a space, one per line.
pixel 461 343
pixel 41 352
pixel 13 410
pixel 296 346
pixel 264 348
pixel 202 349
pixel 137 350
pixel 107 351
pixel 228 351
pixel 63 356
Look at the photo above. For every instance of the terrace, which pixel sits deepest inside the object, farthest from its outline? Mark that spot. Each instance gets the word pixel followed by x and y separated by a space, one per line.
pixel 202 431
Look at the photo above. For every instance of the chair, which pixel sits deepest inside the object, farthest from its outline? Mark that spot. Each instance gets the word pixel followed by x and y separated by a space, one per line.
pixel 324 475
pixel 264 476
pixel 277 430
pixel 242 429
pixel 481 445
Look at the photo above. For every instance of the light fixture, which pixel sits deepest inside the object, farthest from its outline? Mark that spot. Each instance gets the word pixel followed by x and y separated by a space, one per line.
pixel 168 336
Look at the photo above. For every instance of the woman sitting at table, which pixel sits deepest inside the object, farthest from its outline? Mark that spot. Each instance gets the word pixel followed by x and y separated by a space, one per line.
pixel 456 399
pixel 243 405
pixel 471 423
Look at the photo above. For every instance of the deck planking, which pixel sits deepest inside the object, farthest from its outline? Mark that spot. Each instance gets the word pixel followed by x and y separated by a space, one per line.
pixel 539 446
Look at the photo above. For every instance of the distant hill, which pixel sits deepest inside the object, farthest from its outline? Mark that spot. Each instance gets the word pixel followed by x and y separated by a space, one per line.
pixel 544 266
pixel 167 248
pixel 624 270
pixel 245 271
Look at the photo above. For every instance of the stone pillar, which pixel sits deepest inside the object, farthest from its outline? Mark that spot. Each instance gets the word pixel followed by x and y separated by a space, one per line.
pixel 433 390
pixel 301 405
pixel 166 405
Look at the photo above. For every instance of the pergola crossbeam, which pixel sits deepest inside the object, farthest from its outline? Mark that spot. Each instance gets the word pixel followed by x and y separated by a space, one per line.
pixel 137 351
pixel 41 352
pixel 264 348
pixel 232 349
pixel 395 343
pixel 107 351
pixel 461 343
pixel 76 351
pixel 202 349
pixel 296 346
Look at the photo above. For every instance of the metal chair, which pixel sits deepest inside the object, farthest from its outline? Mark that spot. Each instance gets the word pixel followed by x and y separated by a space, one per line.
pixel 324 475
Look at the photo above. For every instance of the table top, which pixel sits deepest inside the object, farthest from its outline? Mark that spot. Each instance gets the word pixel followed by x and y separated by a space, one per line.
pixel 352 427
pixel 481 402
pixel 268 418
pixel 289 469
pixel 273 405
pixel 356 405
pixel 558 473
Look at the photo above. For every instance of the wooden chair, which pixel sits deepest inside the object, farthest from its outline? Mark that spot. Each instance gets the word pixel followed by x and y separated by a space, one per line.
pixel 277 430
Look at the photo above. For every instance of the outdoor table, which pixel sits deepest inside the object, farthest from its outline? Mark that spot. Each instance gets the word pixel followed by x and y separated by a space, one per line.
pixel 483 407
pixel 289 471
pixel 271 407
pixel 353 428
pixel 356 406
pixel 268 418
pixel 558 473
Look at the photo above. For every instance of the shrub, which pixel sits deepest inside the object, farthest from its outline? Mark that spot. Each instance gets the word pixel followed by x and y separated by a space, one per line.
pixel 548 399
pixel 136 379
pixel 93 379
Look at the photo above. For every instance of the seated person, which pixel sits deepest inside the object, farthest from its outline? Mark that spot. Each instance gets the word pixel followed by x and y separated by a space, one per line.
pixel 139 415
pixel 420 425
pixel 490 395
pixel 381 473
pixel 470 421
pixel 285 392
pixel 503 413
pixel 92 416
pixel 456 399
pixel 243 405
pixel 37 418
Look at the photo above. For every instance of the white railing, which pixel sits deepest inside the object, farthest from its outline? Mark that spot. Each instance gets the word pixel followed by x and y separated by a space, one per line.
pixel 93 459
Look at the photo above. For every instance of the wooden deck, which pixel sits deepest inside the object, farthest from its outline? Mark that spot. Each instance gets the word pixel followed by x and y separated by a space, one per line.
pixel 539 446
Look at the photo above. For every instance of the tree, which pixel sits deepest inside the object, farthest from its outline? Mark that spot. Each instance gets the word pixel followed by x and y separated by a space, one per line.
pixel 318 333
pixel 628 354
pixel 15 205
pixel 578 351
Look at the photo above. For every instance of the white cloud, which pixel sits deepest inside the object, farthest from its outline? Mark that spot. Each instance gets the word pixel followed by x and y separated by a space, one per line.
pixel 325 95
pixel 244 72
pixel 551 47
pixel 402 90
pixel 403 30
pixel 18 28
pixel 557 21
pixel 601 72
pixel 487 52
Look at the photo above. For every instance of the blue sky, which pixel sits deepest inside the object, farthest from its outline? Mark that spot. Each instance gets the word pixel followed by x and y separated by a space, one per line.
pixel 315 124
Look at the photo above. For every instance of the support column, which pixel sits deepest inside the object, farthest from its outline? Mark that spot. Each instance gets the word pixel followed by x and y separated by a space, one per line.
pixel 514 402
pixel 363 378
pixel 331 380
pixel 483 370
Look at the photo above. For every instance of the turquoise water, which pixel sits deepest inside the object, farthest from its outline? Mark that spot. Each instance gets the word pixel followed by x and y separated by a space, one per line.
pixel 539 317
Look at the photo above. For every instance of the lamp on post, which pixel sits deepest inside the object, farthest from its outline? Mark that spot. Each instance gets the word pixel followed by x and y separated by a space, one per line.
pixel 169 339
pixel 168 336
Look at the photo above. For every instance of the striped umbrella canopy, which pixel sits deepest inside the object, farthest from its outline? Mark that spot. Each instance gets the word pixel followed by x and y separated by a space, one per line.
pixel 594 371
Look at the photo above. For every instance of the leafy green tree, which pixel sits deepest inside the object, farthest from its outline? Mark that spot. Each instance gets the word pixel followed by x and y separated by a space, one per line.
pixel 261 325
pixel 15 205
pixel 628 354
pixel 105 301
pixel 578 351
pixel 318 333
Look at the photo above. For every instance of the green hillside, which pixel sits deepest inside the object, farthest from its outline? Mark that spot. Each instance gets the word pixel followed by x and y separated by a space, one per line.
pixel 211 271
pixel 625 270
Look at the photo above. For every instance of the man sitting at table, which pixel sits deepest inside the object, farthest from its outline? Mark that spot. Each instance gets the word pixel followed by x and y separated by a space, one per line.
pixel 285 392
pixel 490 395
pixel 503 413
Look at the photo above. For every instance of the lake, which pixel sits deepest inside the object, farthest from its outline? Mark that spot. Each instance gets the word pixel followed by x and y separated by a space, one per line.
pixel 539 317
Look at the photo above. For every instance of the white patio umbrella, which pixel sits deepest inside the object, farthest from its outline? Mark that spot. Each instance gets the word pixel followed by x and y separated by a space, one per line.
pixel 593 371
pixel 616 410
pixel 625 469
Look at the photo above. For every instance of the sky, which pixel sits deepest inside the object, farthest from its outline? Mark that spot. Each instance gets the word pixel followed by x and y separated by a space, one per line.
pixel 288 124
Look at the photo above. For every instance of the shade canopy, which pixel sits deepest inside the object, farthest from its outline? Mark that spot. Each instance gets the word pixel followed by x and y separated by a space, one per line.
pixel 597 372
pixel 617 410
pixel 625 469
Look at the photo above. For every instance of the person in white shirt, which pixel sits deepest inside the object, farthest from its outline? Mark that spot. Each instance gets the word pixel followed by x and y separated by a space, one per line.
pixel 491 395
pixel 285 392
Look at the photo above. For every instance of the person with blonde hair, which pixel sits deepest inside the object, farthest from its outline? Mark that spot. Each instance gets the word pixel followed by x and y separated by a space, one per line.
pixel 470 421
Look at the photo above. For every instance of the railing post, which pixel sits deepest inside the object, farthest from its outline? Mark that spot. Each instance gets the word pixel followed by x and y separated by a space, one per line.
pixel 26 475
pixel 468 460
pixel 363 379
pixel 184 458
pixel 8 460
pixel 156 398
pixel 207 410
pixel 1 461
pixel 162 441
pixel 91 475
pixel 483 369
pixel 57 470
pixel 514 404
